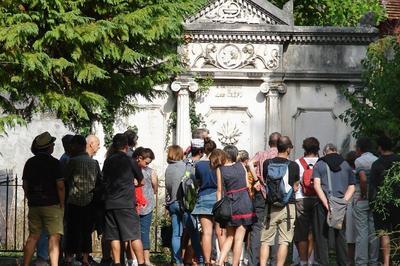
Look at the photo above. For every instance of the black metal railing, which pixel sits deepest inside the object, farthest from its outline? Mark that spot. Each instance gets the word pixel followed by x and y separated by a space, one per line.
pixel 14 222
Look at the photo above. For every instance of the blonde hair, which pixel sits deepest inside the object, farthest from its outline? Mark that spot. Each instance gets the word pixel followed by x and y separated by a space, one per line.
pixel 175 153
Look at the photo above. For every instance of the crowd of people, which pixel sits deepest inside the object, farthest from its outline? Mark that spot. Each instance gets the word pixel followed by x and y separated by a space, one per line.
pixel 272 202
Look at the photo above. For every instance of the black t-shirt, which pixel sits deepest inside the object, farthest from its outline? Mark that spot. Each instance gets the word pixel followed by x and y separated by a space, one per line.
pixel 41 174
pixel 119 172
pixel 378 171
pixel 294 172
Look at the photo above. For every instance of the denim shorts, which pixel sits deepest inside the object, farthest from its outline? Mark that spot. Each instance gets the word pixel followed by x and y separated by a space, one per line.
pixel 205 204
pixel 145 224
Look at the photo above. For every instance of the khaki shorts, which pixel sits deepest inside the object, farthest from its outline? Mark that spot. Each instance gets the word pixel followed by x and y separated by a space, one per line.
pixel 278 223
pixel 49 218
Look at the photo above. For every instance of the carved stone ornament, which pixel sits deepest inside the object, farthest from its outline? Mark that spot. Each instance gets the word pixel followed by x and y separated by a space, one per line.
pixel 191 85
pixel 233 11
pixel 232 56
pixel 229 134
pixel 277 87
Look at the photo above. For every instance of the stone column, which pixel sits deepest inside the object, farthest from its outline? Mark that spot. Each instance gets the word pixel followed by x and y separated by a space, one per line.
pixel 273 92
pixel 183 128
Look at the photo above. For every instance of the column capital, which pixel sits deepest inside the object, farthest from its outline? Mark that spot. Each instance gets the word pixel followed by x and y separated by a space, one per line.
pixel 190 85
pixel 273 87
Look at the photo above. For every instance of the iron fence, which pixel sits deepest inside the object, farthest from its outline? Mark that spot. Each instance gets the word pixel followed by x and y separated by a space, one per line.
pixel 14 222
pixel 13 211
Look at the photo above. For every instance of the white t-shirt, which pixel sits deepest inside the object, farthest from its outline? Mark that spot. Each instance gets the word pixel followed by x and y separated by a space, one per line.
pixel 310 161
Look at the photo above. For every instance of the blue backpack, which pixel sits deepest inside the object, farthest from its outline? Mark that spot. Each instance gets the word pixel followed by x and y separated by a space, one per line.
pixel 277 184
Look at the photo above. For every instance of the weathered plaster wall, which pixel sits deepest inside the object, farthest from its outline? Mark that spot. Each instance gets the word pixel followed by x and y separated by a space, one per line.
pixel 313 109
pixel 15 145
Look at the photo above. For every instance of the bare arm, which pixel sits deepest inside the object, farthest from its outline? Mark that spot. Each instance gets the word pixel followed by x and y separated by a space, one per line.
pixel 363 184
pixel 219 184
pixel 257 185
pixel 349 192
pixel 154 181
pixel 320 192
pixel 61 192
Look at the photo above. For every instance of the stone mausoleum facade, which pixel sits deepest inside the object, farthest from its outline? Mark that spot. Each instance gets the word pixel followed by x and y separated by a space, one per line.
pixel 268 75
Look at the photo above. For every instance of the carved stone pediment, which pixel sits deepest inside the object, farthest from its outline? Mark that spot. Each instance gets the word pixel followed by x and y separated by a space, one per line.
pixel 231 56
pixel 236 11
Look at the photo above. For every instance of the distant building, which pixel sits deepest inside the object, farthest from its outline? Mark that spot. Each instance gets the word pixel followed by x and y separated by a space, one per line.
pixel 391 26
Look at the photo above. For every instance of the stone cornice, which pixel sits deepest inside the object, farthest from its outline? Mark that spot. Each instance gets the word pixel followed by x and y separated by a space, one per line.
pixel 286 76
pixel 281 34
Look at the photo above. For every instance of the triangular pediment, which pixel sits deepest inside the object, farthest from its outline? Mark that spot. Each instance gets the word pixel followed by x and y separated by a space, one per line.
pixel 241 11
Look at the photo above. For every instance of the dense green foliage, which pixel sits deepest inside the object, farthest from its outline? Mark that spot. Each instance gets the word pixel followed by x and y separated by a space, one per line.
pixel 375 108
pixel 388 193
pixel 332 12
pixel 85 59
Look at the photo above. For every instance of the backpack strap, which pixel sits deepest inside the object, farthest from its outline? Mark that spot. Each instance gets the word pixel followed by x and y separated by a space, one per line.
pixel 304 163
pixel 288 216
pixel 268 217
pixel 328 171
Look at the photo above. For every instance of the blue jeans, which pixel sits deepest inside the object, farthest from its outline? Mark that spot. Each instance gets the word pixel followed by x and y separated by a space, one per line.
pixel 193 230
pixel 42 246
pixel 145 223
pixel 177 229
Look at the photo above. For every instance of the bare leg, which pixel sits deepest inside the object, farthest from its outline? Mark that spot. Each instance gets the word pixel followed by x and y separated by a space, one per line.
pixel 138 250
pixel 237 247
pixel 54 249
pixel 130 254
pixel 29 248
pixel 264 254
pixel 116 251
pixel 206 237
pixel 85 257
pixel 385 245
pixel 302 247
pixel 147 256
pixel 281 255
pixel 310 245
pixel 230 233
pixel 221 235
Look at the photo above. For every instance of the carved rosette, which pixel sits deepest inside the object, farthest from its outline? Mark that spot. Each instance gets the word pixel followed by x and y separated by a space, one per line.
pixel 233 56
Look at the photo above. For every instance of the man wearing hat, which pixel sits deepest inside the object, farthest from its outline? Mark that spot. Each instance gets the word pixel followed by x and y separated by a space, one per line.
pixel 44 188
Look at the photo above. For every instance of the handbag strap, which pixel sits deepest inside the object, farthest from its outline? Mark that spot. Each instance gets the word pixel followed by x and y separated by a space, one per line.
pixel 328 171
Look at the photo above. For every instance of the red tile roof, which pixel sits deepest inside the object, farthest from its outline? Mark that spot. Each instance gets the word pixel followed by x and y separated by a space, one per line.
pixel 392 8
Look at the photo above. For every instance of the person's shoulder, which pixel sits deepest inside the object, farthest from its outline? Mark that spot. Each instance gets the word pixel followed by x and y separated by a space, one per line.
pixel 319 164
pixel 202 164
pixel 53 160
pixel 346 166
pixel 379 162
pixel 294 164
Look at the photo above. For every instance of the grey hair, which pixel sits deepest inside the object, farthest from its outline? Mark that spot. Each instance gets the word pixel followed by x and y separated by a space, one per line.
pixel 231 152
pixel 330 148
